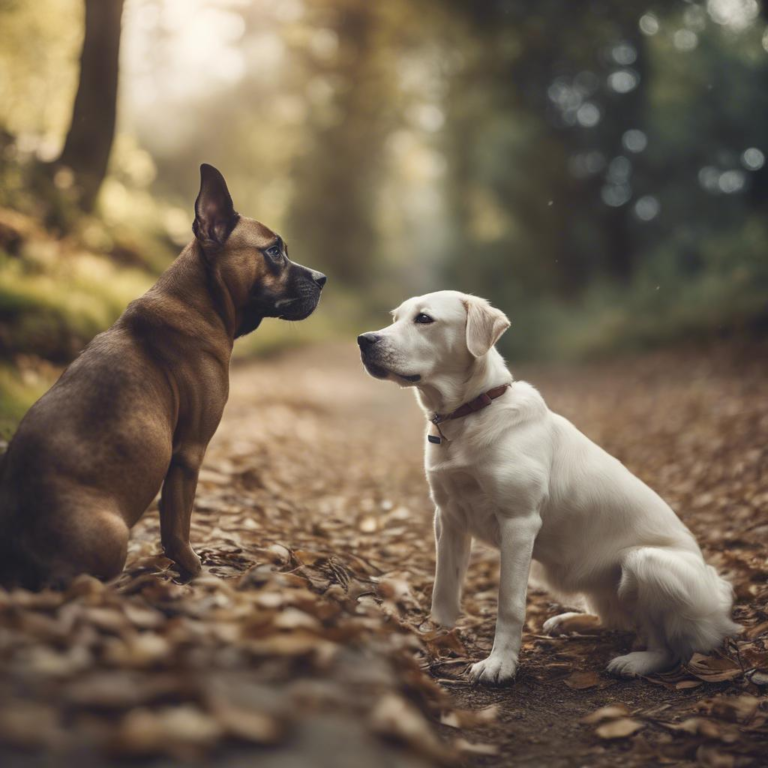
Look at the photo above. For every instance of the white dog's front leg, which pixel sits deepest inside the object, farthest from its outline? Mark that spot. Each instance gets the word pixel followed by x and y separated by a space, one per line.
pixel 452 546
pixel 516 536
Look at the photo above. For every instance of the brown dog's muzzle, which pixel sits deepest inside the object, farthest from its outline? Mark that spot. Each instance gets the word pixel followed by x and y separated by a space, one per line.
pixel 302 296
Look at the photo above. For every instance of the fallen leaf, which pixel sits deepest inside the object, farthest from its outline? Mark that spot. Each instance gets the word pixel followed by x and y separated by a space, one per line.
pixel 758 678
pixel 395 717
pixel 735 709
pixel 249 725
pixel 619 729
pixel 713 669
pixel 696 726
pixel 711 757
pixel 182 732
pixel 611 712
pixel 757 630
pixel 469 748
pixel 469 718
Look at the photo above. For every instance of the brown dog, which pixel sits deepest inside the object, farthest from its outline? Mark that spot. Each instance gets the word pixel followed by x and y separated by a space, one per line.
pixel 137 408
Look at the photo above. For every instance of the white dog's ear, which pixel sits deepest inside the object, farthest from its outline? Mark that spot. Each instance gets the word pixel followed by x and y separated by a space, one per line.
pixel 485 324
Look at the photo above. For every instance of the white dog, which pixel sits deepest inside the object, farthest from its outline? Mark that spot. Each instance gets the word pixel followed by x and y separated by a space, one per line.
pixel 505 469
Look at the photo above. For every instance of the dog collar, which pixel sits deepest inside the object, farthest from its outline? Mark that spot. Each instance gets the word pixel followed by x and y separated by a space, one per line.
pixel 473 406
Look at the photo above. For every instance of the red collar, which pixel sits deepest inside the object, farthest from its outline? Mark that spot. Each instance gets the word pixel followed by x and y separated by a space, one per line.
pixel 480 402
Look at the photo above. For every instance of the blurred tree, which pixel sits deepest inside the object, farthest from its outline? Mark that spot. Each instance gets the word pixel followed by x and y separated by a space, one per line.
pixel 92 128
pixel 547 98
pixel 598 149
pixel 336 177
pixel 759 187
pixel 36 91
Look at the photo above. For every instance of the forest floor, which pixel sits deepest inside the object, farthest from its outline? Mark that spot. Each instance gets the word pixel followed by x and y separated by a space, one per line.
pixel 307 641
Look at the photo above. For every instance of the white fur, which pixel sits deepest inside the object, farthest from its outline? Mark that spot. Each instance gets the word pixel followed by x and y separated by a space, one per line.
pixel 523 479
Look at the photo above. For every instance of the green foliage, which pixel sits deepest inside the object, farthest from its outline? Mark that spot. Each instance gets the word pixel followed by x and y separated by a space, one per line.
pixel 53 303
pixel 19 389
pixel 568 250
pixel 54 297
pixel 666 303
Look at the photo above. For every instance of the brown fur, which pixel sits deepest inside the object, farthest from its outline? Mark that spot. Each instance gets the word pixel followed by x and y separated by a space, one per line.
pixel 137 408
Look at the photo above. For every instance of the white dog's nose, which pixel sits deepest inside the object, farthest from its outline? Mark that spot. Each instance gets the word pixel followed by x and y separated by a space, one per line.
pixel 365 340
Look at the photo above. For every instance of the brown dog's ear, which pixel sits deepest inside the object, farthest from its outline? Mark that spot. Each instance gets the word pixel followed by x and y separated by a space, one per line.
pixel 215 216
pixel 485 324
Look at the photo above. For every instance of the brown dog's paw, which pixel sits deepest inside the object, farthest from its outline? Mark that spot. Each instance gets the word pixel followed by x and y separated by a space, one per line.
pixel 187 561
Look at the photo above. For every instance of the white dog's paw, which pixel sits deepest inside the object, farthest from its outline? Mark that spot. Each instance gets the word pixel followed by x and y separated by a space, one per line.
pixel 494 670
pixel 445 616
pixel 640 663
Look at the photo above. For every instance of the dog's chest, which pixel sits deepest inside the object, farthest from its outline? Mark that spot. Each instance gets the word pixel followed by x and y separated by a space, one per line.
pixel 459 494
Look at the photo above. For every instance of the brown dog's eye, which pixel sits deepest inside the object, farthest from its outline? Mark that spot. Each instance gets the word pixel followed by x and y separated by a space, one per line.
pixel 423 319
pixel 274 251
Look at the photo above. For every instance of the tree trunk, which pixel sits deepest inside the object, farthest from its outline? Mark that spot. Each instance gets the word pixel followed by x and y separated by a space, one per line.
pixel 333 213
pixel 91 132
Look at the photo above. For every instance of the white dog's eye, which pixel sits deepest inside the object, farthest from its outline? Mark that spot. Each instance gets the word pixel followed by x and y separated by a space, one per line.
pixel 422 318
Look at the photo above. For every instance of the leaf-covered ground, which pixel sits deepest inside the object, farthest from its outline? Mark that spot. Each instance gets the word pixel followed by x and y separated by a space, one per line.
pixel 306 641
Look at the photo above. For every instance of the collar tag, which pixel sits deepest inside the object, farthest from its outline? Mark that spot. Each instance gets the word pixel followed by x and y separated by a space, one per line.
pixel 434 439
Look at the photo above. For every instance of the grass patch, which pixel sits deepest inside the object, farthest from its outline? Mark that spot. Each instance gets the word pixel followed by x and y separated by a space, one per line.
pixel 19 389
pixel 55 296
pixel 53 299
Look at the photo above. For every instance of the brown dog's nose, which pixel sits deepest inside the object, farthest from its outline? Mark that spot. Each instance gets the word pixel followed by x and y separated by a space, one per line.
pixel 320 279
pixel 365 340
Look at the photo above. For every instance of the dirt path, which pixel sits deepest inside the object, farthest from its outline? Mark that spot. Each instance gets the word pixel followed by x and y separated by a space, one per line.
pixel 306 635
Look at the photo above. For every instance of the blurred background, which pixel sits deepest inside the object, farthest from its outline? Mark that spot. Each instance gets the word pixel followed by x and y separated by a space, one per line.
pixel 597 169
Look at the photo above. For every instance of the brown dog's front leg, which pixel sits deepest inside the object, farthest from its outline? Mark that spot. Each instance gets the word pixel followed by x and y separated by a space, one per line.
pixel 176 503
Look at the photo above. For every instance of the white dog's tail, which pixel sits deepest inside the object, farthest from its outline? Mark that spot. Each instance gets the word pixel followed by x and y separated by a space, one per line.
pixel 680 602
